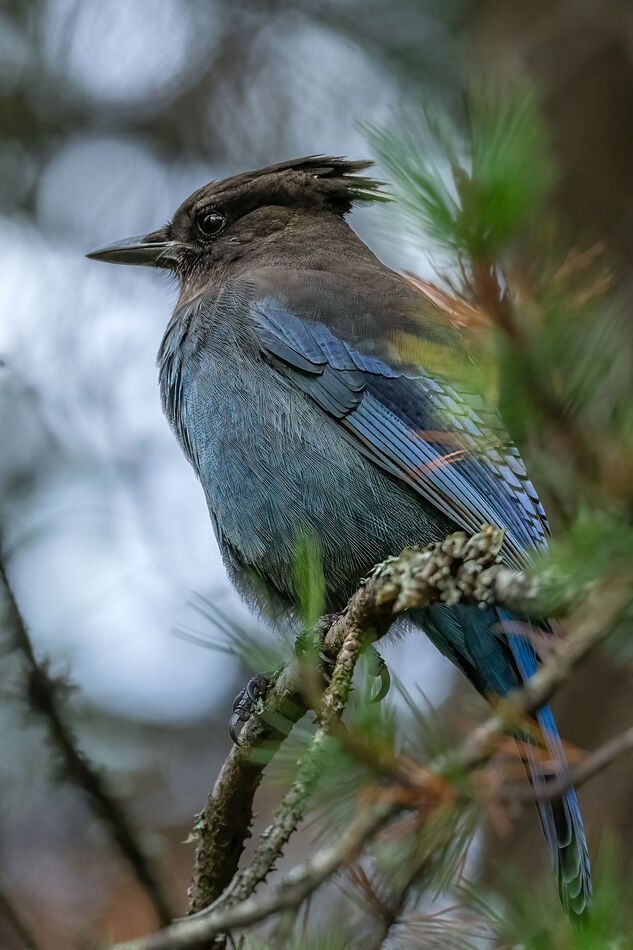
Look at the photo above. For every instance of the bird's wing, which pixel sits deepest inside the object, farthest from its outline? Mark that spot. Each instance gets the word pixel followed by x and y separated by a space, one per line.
pixel 418 428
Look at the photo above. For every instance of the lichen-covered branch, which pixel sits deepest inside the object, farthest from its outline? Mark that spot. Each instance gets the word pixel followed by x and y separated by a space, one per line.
pixel 589 627
pixel 290 891
pixel 294 804
pixel 43 699
pixel 224 824
pixel 459 568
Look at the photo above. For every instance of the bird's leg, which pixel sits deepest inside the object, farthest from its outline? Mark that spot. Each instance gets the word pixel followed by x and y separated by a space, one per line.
pixel 309 647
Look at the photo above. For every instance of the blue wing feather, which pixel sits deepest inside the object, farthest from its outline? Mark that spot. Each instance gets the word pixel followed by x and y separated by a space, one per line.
pixel 391 413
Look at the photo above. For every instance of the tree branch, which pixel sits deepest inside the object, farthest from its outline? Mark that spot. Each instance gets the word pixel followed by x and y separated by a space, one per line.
pixel 290 891
pixel 224 824
pixel 457 569
pixel 590 766
pixel 450 570
pixel 590 627
pixel 293 806
pixel 43 699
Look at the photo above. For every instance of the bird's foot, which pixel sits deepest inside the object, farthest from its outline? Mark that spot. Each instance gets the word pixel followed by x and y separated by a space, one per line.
pixel 245 702
pixel 377 666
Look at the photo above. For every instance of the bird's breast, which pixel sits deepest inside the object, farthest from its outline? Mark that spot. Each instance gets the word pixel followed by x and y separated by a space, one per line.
pixel 274 466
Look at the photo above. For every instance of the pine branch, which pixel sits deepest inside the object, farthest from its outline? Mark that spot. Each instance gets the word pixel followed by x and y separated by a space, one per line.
pixel 590 766
pixel 591 625
pixel 290 891
pixel 43 699
pixel 293 807
pixel 458 568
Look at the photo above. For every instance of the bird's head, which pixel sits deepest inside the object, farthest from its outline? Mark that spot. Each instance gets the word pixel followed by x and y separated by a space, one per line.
pixel 238 217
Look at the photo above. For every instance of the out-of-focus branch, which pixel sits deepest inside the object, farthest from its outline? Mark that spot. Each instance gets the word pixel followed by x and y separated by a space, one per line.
pixel 487 293
pixel 591 765
pixel 43 699
pixel 13 916
pixel 590 624
pixel 457 569
pixel 391 908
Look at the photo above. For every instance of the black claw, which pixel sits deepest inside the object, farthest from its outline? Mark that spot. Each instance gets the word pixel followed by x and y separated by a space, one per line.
pixel 253 690
pixel 244 702
pixel 234 728
pixel 379 669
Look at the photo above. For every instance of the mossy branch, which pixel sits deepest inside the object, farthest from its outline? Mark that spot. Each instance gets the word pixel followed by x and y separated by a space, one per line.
pixel 457 569
pixel 239 907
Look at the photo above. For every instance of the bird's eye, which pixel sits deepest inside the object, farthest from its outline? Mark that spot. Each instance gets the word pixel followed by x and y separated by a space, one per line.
pixel 210 223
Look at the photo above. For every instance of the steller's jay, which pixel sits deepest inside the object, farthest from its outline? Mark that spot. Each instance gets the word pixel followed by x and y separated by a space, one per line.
pixel 281 376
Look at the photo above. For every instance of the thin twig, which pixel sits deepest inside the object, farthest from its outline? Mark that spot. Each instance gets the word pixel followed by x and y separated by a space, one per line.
pixel 590 625
pixel 43 699
pixel 290 891
pixel 10 912
pixel 392 907
pixel 590 766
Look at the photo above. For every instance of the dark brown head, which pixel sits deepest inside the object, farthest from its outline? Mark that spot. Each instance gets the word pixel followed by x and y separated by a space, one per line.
pixel 232 219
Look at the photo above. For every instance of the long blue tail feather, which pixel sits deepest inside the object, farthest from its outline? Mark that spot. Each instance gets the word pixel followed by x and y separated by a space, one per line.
pixel 472 639
pixel 560 819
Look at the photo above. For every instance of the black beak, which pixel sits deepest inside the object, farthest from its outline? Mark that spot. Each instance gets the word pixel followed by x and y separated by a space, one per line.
pixel 152 250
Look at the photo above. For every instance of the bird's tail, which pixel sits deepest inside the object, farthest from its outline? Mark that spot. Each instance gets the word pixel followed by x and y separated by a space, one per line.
pixel 560 817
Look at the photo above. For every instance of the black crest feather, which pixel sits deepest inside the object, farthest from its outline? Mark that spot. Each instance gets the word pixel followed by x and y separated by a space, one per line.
pixel 315 180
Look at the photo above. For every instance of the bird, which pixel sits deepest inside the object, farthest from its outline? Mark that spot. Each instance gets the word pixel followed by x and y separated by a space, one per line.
pixel 283 376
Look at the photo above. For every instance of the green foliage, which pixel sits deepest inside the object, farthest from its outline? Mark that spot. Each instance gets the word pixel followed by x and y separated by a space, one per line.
pixel 597 544
pixel 259 652
pixel 520 919
pixel 309 579
pixel 511 172
pixel 472 191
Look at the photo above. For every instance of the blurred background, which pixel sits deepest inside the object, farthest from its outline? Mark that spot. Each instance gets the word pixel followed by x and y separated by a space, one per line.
pixel 110 115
